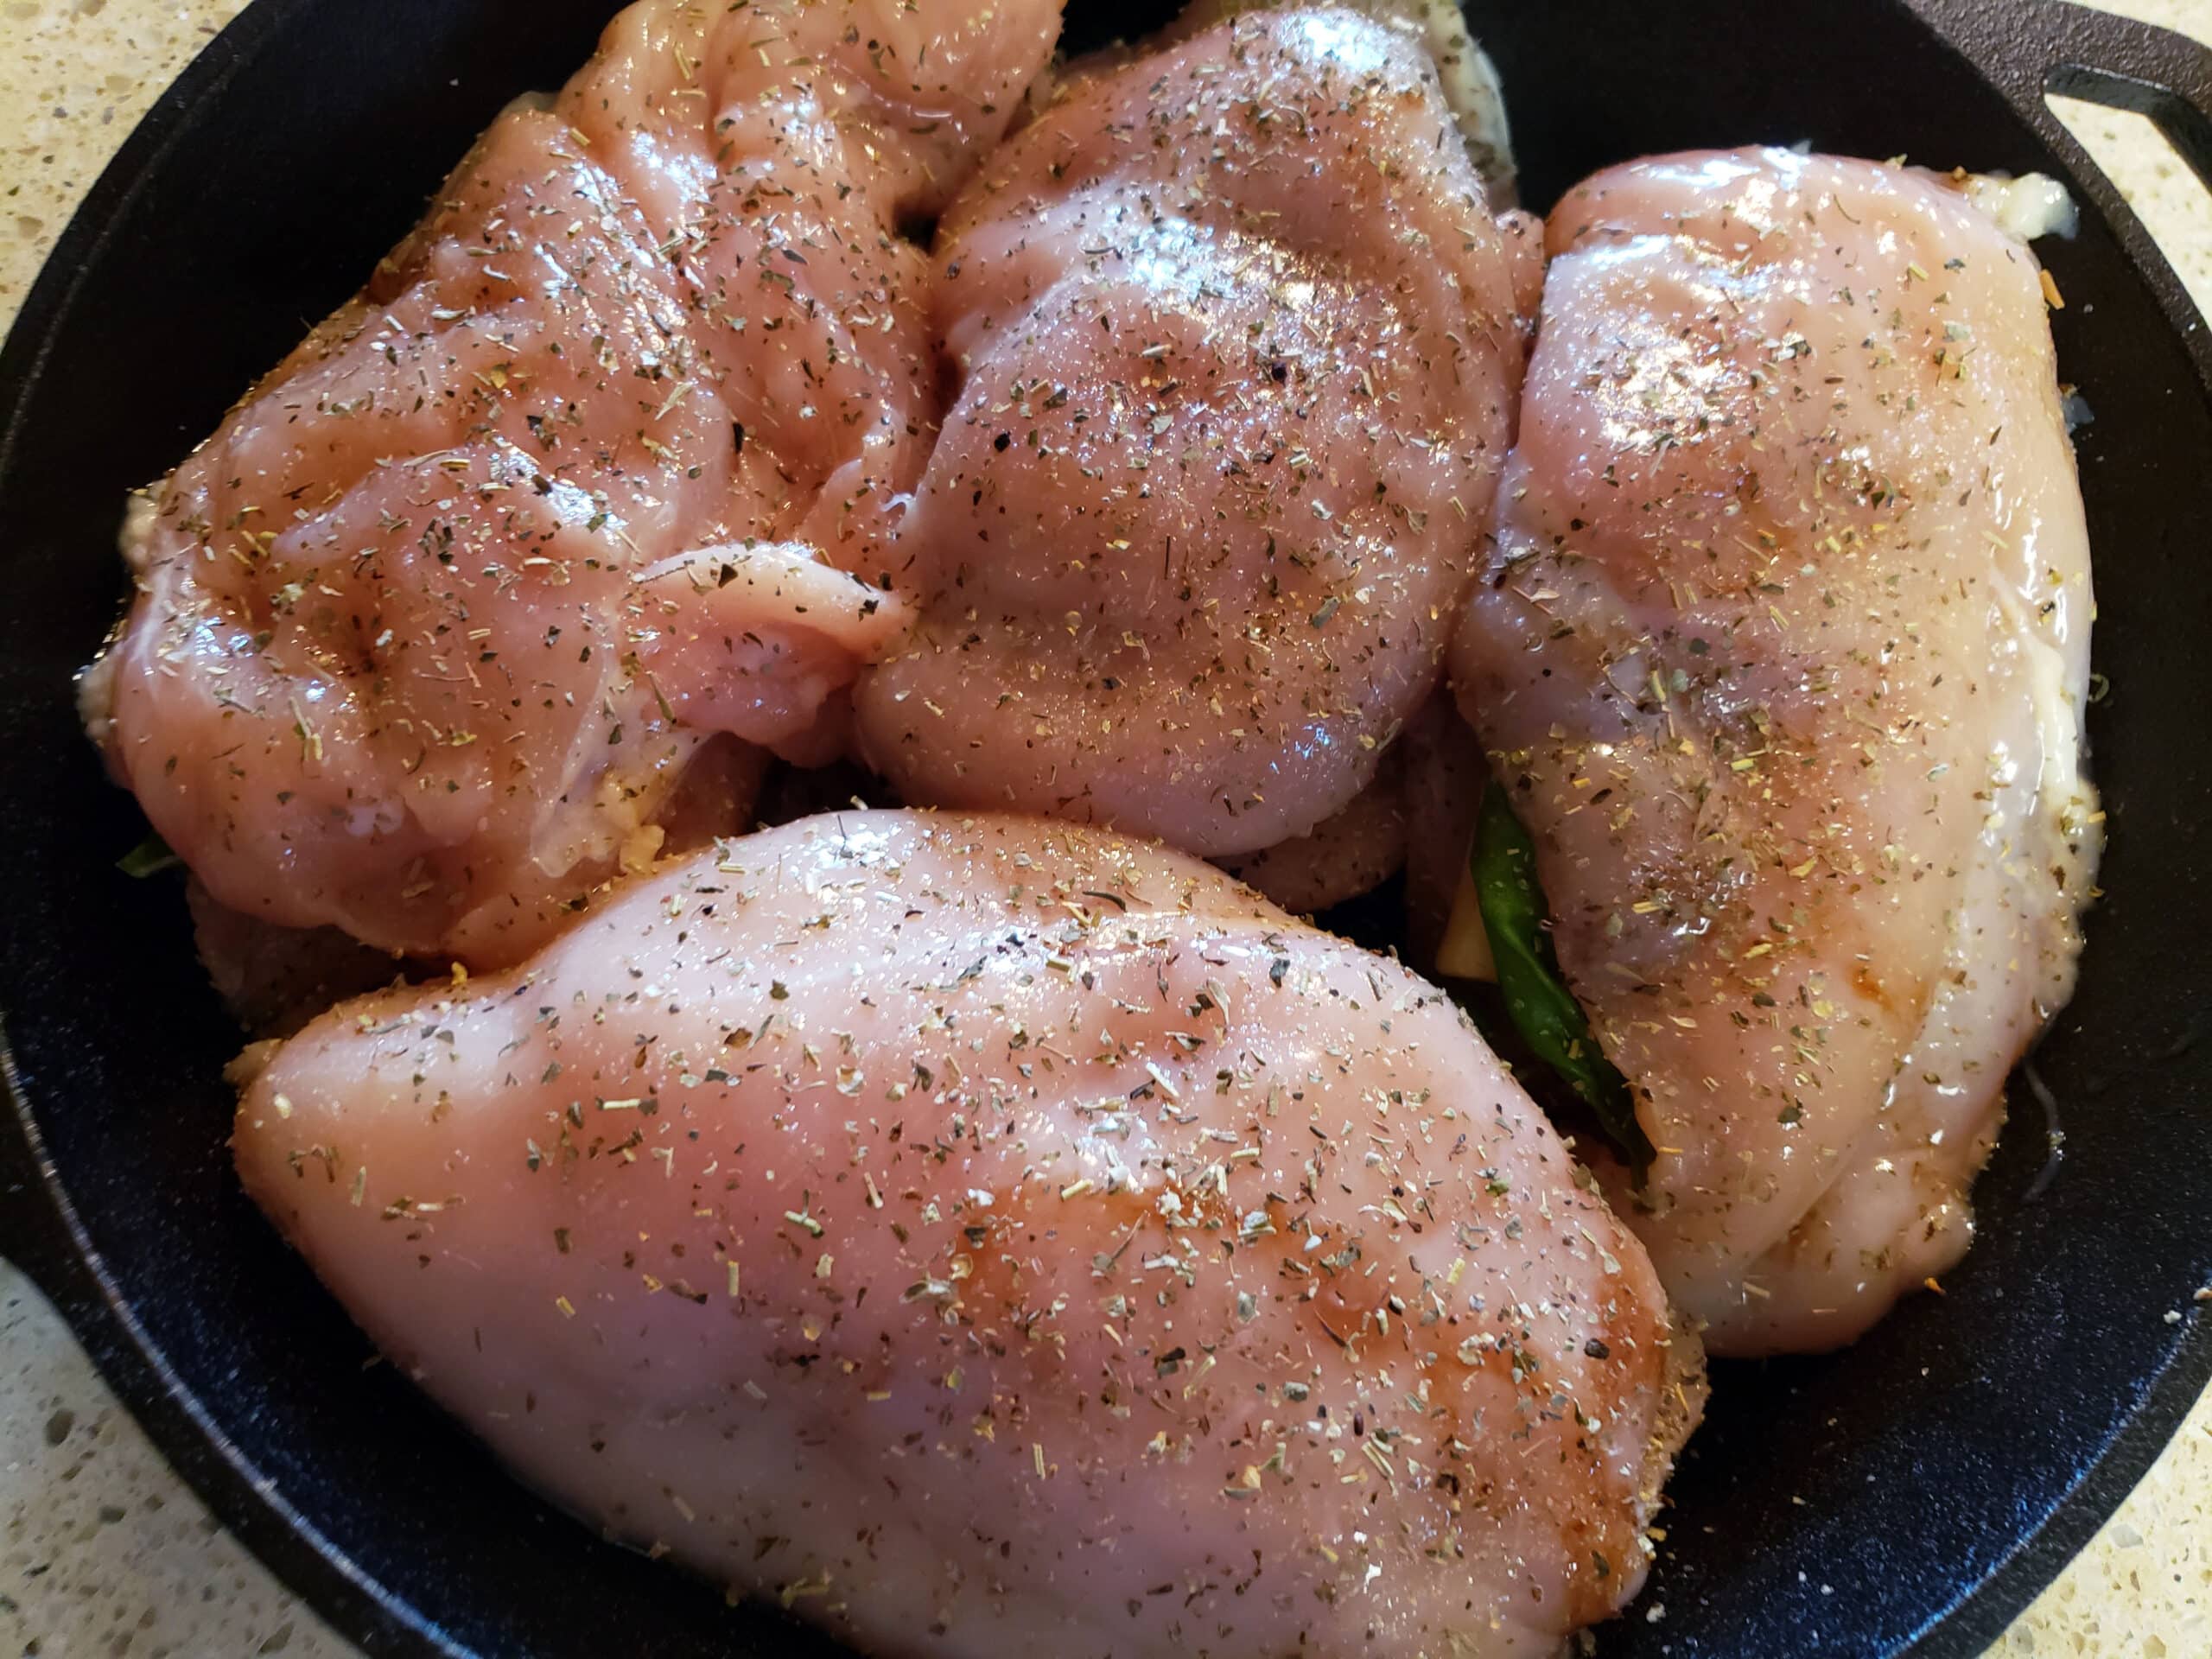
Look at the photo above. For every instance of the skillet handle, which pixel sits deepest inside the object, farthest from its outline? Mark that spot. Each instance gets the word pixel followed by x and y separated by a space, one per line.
pixel 2125 65
pixel 2028 49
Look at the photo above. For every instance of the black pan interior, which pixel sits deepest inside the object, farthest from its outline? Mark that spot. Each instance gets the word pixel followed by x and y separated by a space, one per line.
pixel 1900 1493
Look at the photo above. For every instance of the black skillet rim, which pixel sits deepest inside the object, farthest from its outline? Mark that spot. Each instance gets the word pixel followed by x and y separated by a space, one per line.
pixel 42 1233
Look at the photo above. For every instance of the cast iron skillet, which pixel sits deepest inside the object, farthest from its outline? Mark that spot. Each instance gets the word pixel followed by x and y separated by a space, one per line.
pixel 1908 1495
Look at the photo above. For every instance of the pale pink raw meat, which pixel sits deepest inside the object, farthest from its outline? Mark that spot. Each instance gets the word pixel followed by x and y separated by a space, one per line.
pixel 407 656
pixel 1782 656
pixel 963 1229
pixel 1238 338
pixel 1340 858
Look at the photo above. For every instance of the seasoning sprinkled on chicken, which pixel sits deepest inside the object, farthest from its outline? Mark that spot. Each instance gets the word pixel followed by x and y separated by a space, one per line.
pixel 590 483
pixel 1238 338
pixel 995 1236
pixel 1783 658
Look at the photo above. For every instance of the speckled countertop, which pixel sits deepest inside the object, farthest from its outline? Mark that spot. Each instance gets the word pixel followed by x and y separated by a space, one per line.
pixel 104 1552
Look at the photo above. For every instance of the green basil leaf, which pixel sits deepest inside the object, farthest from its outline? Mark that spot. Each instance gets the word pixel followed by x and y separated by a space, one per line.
pixel 150 857
pixel 1550 1021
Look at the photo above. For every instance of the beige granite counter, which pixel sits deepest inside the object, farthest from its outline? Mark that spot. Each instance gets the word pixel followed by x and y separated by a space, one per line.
pixel 104 1552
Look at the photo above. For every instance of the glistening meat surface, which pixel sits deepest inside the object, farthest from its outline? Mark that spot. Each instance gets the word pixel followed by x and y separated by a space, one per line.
pixel 963 1229
pixel 1237 338
pixel 1783 655
pixel 428 636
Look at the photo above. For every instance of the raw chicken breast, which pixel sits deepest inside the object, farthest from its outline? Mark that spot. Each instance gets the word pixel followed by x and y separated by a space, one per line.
pixel 1470 79
pixel 990 1237
pixel 1341 857
pixel 429 635
pixel 1238 340
pixel 1783 654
